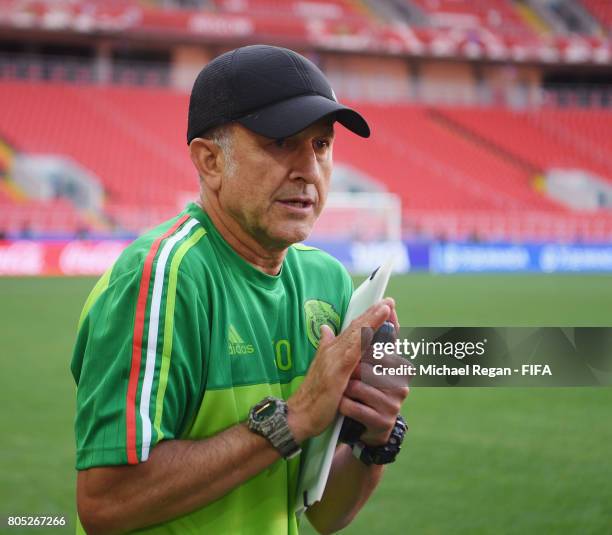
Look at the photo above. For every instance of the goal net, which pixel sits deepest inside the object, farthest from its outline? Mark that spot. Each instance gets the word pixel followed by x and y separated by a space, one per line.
pixel 362 216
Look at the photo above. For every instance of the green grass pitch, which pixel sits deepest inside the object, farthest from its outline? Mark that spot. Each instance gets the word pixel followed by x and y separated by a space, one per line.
pixel 476 461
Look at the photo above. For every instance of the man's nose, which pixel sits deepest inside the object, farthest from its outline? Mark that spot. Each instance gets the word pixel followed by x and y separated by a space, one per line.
pixel 305 165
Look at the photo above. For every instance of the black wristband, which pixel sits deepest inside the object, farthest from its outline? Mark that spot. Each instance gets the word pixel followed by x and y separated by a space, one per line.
pixel 386 453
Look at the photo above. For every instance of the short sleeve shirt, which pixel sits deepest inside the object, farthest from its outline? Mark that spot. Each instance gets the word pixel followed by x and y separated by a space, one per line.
pixel 180 338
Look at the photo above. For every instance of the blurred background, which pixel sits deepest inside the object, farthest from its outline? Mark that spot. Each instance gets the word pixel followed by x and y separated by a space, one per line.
pixel 491 154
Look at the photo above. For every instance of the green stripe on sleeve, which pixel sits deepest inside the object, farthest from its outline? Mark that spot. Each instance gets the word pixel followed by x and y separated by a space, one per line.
pixel 97 291
pixel 169 326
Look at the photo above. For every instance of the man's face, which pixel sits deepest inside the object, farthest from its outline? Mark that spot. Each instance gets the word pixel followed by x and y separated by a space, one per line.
pixel 278 187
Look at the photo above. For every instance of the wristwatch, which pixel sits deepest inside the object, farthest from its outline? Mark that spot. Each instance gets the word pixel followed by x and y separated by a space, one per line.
pixel 268 418
pixel 386 453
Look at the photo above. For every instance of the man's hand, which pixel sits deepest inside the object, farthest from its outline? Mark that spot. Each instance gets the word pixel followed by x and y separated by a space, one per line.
pixel 316 402
pixel 375 401
pixel 375 404
pixel 374 408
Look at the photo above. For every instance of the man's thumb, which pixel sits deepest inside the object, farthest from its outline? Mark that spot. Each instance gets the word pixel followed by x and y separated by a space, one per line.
pixel 327 335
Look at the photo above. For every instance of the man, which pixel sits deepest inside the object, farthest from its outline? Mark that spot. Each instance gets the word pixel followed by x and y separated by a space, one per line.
pixel 210 352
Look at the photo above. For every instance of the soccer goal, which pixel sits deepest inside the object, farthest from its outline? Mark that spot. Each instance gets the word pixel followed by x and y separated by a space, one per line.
pixel 360 216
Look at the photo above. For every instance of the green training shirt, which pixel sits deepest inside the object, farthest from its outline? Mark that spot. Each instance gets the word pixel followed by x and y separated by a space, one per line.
pixel 180 338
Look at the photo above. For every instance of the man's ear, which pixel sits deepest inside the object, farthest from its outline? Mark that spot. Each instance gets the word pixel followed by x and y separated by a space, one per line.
pixel 207 157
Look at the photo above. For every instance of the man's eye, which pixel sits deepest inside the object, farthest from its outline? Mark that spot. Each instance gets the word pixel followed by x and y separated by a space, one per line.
pixel 280 143
pixel 321 144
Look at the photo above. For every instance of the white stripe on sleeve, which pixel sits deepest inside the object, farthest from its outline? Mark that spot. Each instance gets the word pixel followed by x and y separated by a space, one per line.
pixel 158 286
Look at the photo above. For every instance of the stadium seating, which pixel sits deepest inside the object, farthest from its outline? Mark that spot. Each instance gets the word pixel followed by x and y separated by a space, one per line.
pixel 602 10
pixel 326 10
pixel 589 132
pixel 33 218
pixel 500 16
pixel 133 140
pixel 418 158
pixel 470 163
pixel 542 140
pixel 5 198
pixel 496 29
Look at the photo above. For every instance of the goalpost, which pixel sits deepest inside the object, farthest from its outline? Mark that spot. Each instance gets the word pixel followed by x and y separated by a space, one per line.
pixel 360 216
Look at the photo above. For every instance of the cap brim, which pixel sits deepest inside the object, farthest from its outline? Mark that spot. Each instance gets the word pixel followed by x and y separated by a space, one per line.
pixel 287 118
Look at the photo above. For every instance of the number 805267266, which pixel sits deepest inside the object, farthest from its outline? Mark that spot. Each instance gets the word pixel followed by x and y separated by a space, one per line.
pixel 36 520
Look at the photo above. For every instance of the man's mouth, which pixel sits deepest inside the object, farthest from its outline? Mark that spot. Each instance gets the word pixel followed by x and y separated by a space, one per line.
pixel 300 203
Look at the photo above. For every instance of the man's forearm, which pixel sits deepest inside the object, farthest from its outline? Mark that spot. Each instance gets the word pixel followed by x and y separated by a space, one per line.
pixel 179 477
pixel 349 486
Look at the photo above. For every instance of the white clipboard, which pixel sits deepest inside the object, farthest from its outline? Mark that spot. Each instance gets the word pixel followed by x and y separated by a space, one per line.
pixel 319 451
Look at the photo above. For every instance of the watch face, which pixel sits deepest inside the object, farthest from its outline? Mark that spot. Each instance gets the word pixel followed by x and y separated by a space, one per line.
pixel 264 411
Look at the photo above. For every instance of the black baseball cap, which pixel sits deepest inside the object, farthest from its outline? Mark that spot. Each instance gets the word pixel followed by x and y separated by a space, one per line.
pixel 272 91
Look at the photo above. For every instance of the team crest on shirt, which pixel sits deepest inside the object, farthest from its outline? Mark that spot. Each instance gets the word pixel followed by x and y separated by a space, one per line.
pixel 318 313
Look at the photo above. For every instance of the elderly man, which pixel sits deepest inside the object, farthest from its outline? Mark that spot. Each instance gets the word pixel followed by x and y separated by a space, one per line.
pixel 210 352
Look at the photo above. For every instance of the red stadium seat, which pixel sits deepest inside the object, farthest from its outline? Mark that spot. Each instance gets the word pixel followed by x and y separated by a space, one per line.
pixel 602 10
pixel 500 16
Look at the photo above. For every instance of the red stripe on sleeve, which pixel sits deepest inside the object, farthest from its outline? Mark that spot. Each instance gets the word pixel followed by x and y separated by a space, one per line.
pixel 143 293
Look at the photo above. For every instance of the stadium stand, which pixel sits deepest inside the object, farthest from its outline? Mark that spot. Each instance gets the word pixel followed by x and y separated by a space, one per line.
pixel 416 157
pixel 460 171
pixel 327 10
pixel 498 29
pixel 462 161
pixel 587 131
pixel 521 136
pixel 517 226
pixel 602 9
pixel 131 139
pixel 499 16
pixel 37 217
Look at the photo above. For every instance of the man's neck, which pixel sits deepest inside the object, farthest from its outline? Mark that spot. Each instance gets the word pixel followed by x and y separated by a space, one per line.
pixel 246 246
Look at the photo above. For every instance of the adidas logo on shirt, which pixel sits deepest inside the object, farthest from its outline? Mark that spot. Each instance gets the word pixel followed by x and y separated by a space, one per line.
pixel 236 345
